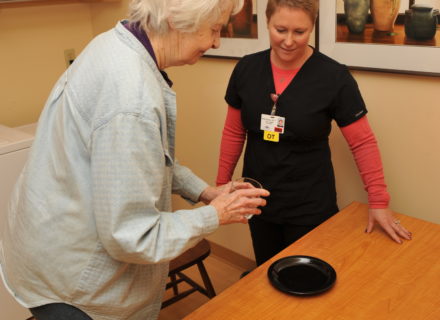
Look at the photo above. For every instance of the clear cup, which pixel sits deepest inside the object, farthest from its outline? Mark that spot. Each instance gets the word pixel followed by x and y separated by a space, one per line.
pixel 253 182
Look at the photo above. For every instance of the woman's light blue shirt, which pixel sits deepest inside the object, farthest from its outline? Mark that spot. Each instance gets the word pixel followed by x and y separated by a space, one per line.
pixel 90 220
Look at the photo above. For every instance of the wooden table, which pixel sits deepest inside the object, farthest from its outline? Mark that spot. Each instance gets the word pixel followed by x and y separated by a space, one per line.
pixel 376 277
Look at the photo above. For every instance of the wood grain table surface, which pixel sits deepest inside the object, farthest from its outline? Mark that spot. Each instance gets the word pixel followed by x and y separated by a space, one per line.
pixel 376 277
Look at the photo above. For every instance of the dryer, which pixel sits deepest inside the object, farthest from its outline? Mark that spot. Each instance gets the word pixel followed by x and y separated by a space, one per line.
pixel 14 147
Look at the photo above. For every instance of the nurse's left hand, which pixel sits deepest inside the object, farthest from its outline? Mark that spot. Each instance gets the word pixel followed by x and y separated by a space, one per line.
pixel 391 225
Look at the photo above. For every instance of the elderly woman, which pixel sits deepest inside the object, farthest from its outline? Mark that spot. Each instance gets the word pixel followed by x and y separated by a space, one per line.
pixel 90 229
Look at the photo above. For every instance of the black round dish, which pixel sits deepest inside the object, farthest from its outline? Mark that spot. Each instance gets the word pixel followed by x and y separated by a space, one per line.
pixel 301 275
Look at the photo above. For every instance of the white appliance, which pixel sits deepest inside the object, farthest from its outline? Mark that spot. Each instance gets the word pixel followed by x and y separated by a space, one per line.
pixel 14 147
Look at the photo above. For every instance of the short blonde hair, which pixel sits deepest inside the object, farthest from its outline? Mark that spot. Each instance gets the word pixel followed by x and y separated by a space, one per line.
pixel 311 7
pixel 185 15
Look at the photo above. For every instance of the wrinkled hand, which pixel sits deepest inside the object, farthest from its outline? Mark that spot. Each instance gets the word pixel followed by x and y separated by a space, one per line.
pixel 210 193
pixel 235 206
pixel 392 226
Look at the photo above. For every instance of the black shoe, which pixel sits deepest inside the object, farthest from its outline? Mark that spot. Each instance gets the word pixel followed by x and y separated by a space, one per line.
pixel 245 273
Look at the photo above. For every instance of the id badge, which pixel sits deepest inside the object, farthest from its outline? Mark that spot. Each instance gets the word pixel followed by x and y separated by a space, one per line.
pixel 272 123
pixel 272 126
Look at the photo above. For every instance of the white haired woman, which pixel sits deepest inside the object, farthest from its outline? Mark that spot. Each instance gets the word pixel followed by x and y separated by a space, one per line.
pixel 90 229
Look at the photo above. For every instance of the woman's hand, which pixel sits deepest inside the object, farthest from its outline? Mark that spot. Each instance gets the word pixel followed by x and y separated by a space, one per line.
pixel 235 206
pixel 210 193
pixel 391 225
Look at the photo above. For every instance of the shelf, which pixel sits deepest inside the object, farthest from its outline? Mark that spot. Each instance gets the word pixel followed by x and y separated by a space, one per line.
pixel 397 37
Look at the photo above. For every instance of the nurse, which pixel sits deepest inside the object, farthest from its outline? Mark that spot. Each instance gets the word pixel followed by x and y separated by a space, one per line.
pixel 281 102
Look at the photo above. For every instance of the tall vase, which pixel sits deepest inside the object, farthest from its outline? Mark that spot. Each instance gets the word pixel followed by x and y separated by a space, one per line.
pixel 356 13
pixel 242 21
pixel 384 13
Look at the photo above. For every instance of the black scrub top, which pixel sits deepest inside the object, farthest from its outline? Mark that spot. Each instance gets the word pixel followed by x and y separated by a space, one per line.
pixel 297 170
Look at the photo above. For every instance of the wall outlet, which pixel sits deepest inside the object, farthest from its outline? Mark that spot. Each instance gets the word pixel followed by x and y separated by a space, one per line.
pixel 69 56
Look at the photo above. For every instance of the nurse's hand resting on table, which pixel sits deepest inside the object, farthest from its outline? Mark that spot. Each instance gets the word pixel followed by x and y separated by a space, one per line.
pixel 234 206
pixel 391 225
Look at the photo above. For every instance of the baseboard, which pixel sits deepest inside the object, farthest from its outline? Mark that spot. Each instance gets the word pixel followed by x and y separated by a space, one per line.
pixel 231 256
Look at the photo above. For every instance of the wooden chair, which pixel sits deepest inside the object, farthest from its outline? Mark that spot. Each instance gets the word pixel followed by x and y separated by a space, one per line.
pixel 193 256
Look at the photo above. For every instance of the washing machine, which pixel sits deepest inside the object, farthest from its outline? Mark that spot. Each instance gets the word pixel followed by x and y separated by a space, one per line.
pixel 14 147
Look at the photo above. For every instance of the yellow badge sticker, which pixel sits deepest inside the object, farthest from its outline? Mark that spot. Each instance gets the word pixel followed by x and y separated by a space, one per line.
pixel 271 136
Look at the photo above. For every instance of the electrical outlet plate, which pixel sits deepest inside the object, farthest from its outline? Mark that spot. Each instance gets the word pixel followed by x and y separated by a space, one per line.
pixel 69 56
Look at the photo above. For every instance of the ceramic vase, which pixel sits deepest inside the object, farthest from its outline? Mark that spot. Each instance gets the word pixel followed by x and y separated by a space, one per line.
pixel 421 22
pixel 384 13
pixel 242 21
pixel 356 13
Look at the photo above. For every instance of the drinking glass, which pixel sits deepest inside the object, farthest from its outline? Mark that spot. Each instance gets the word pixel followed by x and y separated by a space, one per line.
pixel 253 182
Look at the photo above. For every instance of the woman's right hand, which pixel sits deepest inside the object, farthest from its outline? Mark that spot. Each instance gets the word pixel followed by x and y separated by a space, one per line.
pixel 235 206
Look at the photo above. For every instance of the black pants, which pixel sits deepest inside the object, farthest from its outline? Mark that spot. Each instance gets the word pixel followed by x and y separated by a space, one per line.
pixel 58 311
pixel 270 238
